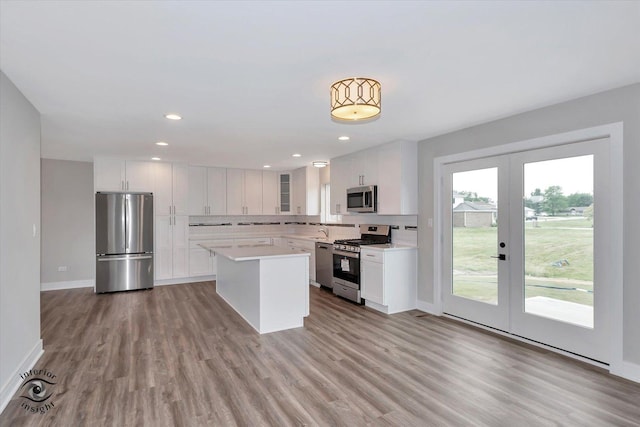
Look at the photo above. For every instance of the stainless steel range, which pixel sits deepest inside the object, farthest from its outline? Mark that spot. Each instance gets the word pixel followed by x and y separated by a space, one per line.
pixel 346 260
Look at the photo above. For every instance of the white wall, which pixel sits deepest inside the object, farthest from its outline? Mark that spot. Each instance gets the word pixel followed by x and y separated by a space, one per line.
pixel 618 105
pixel 20 343
pixel 68 237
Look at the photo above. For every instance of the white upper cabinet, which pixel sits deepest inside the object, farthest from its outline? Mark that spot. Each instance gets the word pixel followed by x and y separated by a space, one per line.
pixel 139 175
pixel 244 192
pixel 217 191
pixel 306 191
pixel 340 173
pixel 270 193
pixel 392 167
pixel 170 189
pixel 198 203
pixel 253 192
pixel 207 191
pixel 364 168
pixel 180 189
pixel 108 174
pixel 284 193
pixel 398 191
pixel 122 175
pixel 163 189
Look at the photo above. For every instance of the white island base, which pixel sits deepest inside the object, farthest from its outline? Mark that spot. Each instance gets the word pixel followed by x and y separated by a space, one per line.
pixel 267 286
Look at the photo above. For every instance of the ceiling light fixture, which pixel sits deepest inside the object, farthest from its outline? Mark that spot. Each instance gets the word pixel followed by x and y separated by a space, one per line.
pixel 156 158
pixel 355 99
pixel 296 155
pixel 343 138
pixel 173 116
pixel 162 143
pixel 320 164
pixel 266 166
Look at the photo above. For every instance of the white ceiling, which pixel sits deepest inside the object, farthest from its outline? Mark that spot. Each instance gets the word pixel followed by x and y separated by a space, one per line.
pixel 251 79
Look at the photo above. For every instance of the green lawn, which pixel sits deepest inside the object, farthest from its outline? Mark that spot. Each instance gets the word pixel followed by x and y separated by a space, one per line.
pixel 558 258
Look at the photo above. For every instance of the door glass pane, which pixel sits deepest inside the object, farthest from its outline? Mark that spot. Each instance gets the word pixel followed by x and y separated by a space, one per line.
pixel 475 235
pixel 558 239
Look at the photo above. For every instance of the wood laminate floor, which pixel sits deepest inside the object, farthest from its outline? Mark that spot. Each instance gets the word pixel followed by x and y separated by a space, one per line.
pixel 180 356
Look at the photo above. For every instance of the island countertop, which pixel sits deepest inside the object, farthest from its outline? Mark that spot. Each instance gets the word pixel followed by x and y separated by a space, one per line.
pixel 239 252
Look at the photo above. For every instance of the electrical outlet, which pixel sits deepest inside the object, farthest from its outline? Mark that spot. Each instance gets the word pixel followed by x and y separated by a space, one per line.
pixel 62 268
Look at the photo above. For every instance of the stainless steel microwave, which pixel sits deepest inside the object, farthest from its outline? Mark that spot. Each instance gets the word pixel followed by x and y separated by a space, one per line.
pixel 362 199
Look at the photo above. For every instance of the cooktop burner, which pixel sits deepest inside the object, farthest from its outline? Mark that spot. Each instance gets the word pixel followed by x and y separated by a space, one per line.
pixel 360 242
pixel 369 235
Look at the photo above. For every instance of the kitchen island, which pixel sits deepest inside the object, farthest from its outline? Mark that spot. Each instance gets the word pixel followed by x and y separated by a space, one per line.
pixel 267 285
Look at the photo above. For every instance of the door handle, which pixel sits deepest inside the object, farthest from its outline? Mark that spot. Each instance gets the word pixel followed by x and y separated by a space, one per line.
pixel 501 257
pixel 124 258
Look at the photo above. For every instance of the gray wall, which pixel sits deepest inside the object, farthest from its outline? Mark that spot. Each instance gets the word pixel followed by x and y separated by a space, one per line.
pixel 19 248
pixel 618 105
pixel 67 221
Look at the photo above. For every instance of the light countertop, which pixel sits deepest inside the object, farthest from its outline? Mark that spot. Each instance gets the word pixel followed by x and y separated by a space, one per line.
pixel 389 247
pixel 239 252
pixel 227 236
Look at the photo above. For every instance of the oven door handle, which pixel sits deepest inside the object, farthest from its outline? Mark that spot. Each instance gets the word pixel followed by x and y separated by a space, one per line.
pixel 347 254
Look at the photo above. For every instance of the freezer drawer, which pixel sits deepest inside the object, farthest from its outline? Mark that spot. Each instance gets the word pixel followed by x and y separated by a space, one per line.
pixel 124 272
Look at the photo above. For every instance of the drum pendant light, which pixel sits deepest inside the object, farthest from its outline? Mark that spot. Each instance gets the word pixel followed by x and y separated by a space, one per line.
pixel 355 99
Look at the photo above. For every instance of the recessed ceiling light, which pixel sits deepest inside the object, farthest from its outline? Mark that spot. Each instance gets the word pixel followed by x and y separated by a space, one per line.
pixel 296 155
pixel 162 143
pixel 266 166
pixel 173 116
pixel 343 138
pixel 156 158
pixel 319 164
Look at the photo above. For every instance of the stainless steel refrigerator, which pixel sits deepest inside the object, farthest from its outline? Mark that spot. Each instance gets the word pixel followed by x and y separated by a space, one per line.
pixel 124 241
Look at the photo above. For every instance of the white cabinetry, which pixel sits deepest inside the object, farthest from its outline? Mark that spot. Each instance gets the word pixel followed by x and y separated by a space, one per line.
pixel 303 245
pixel 111 174
pixel 392 167
pixel 171 246
pixel 170 189
pixel 284 193
pixel 339 178
pixel 202 262
pixel 398 191
pixel 388 278
pixel 170 182
pixel 276 193
pixel 207 191
pixel 270 185
pixel 364 168
pixel 244 192
pixel 306 191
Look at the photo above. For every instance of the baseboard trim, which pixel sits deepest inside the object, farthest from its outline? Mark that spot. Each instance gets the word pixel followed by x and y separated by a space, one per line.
pixel 72 284
pixel 627 370
pixel 14 381
pixel 428 307
pixel 184 280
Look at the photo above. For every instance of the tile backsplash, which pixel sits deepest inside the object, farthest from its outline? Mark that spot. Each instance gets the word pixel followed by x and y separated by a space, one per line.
pixel 404 228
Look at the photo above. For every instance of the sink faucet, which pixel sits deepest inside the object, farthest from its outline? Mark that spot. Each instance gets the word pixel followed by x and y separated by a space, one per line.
pixel 325 231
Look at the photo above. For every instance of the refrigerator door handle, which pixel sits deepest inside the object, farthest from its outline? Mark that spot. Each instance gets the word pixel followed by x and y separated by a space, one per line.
pixel 124 258
pixel 126 231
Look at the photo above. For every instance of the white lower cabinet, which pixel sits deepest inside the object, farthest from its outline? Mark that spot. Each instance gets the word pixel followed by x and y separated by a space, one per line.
pixel 388 278
pixel 304 246
pixel 171 247
pixel 202 262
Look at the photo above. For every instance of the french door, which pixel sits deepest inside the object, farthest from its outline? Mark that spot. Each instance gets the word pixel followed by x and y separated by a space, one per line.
pixel 526 249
